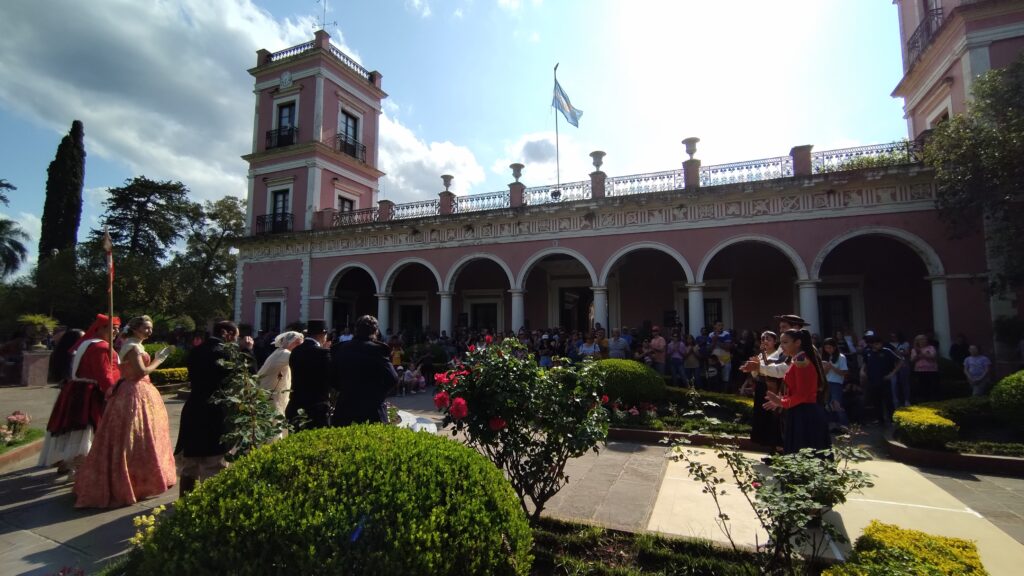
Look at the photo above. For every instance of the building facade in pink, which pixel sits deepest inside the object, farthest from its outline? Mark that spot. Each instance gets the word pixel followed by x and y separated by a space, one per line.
pixel 847 249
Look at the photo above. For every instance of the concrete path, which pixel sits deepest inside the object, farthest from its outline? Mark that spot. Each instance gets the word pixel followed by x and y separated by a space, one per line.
pixel 625 486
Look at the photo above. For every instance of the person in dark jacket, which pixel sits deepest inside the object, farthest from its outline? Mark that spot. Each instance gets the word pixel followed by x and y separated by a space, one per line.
pixel 363 374
pixel 311 379
pixel 203 423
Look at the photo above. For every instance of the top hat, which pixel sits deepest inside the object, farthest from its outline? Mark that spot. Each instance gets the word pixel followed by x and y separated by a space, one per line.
pixel 316 327
pixel 793 320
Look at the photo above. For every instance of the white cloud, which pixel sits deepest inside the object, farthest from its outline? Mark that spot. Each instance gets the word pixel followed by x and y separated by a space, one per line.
pixel 421 7
pixel 512 5
pixel 535 37
pixel 458 13
pixel 31 225
pixel 414 167
pixel 170 99
pixel 536 151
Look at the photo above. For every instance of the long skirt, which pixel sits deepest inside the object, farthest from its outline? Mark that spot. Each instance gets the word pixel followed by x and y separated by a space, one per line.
pixel 73 420
pixel 131 457
pixel 765 425
pixel 806 427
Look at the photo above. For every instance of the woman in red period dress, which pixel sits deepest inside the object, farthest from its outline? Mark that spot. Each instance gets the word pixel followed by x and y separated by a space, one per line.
pixel 77 411
pixel 805 422
pixel 131 457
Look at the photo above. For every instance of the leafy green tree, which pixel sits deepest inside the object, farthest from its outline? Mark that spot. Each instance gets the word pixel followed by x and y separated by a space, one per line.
pixel 204 274
pixel 979 175
pixel 62 209
pixel 12 250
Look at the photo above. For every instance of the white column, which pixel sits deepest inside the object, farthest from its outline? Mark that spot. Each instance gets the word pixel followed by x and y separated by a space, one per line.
pixel 518 311
pixel 304 289
pixel 809 305
pixel 239 278
pixel 940 314
pixel 601 306
pixel 318 110
pixel 313 190
pixel 696 306
pixel 383 312
pixel 446 312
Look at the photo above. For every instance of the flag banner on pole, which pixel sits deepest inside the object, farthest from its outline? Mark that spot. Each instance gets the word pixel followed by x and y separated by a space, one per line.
pixel 562 104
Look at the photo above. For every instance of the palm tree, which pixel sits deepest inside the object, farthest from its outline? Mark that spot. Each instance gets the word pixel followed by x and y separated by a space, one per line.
pixel 12 252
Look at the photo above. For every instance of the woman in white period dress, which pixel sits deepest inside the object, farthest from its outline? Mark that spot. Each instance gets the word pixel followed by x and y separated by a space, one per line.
pixel 275 375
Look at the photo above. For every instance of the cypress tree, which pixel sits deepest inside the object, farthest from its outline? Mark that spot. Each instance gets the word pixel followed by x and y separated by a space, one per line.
pixel 62 210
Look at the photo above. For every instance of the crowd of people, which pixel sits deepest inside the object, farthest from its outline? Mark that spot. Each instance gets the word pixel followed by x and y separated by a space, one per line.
pixel 109 433
pixel 108 430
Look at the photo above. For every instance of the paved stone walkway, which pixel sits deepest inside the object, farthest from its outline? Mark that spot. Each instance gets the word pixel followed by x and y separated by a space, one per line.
pixel 626 486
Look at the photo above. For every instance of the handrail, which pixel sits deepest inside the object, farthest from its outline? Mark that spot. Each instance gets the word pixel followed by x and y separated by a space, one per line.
pixel 416 209
pixel 481 202
pixel 348 61
pixel 749 171
pixel 294 50
pixel 361 216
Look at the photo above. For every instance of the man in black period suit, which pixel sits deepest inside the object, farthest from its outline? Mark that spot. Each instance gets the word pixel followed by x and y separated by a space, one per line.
pixel 311 378
pixel 363 374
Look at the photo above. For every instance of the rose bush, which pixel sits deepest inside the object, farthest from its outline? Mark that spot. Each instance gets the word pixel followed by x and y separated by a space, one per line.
pixel 527 420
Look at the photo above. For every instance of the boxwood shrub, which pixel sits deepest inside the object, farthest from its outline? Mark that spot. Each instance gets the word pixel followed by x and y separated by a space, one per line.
pixel 366 499
pixel 164 376
pixel 924 427
pixel 1008 398
pixel 734 403
pixel 969 412
pixel 887 550
pixel 175 360
pixel 631 382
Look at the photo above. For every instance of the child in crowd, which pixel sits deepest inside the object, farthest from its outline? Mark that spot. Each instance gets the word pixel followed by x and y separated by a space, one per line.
pixel 403 386
pixel 414 375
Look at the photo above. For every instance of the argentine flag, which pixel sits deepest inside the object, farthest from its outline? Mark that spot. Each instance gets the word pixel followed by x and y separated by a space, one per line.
pixel 561 103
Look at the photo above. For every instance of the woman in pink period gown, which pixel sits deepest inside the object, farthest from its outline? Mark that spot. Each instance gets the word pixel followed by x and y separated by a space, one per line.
pixel 131 457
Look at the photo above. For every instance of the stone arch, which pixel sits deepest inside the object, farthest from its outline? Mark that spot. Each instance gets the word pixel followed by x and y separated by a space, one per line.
pixel 658 246
pixel 335 277
pixel 453 272
pixel 397 267
pixel 786 249
pixel 928 254
pixel 528 266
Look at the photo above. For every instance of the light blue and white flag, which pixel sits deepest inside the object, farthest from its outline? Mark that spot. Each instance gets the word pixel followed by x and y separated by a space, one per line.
pixel 562 104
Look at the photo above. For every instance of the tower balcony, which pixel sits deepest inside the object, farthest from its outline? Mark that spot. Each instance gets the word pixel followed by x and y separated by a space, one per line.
pixel 923 36
pixel 350 146
pixel 282 137
pixel 274 223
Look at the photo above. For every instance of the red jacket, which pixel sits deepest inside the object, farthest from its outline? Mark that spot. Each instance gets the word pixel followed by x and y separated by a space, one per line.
pixel 801 382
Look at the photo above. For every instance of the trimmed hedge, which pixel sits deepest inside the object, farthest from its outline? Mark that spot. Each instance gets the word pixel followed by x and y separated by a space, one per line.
pixel 924 426
pixel 888 550
pixel 967 412
pixel 1008 398
pixel 164 376
pixel 631 382
pixel 366 499
pixel 740 405
pixel 175 360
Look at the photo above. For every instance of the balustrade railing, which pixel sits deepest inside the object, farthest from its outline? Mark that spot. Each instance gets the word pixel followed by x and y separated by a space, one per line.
pixel 480 202
pixel 282 137
pixel 361 216
pixel 347 61
pixel 924 35
pixel 644 183
pixel 893 153
pixel 289 52
pixel 550 194
pixel 750 171
pixel 416 209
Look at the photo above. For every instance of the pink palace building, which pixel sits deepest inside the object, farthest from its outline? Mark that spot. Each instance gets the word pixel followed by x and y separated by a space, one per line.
pixel 848 249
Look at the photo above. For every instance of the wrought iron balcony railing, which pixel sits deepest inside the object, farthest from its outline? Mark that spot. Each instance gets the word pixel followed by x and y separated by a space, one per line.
pixel 282 137
pixel 351 146
pixel 924 35
pixel 274 223
pixel 361 216
pixel 480 202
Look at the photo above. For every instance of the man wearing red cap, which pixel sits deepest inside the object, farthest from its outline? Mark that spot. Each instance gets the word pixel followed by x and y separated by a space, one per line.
pixel 79 407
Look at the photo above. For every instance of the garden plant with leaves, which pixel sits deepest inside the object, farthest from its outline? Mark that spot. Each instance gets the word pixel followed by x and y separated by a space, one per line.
pixel 789 502
pixel 527 420
pixel 251 418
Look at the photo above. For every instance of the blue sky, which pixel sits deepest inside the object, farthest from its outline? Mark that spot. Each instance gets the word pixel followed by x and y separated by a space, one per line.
pixel 163 91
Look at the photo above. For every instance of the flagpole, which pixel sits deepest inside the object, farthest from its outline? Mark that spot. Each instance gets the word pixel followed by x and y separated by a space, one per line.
pixel 108 247
pixel 558 166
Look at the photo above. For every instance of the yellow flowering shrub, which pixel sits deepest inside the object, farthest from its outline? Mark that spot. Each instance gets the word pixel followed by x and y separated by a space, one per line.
pixel 924 427
pixel 888 550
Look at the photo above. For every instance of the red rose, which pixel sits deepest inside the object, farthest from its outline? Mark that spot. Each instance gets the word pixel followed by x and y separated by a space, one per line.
pixel 441 378
pixel 458 409
pixel 488 339
pixel 472 348
pixel 442 400
pixel 756 485
pixel 604 399
pixel 497 423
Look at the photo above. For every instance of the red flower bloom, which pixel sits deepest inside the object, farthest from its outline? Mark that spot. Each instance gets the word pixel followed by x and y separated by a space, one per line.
pixel 441 378
pixel 458 409
pixel 472 348
pixel 488 339
pixel 756 485
pixel 497 423
pixel 442 400
pixel 604 399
